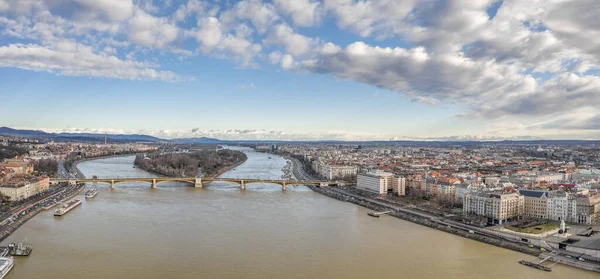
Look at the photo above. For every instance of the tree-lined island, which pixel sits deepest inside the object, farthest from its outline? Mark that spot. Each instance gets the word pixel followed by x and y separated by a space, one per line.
pixel 206 162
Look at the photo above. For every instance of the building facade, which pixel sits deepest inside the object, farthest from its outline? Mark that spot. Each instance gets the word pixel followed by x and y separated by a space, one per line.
pixel 536 203
pixel 562 206
pixel 381 183
pixel 25 189
pixel 498 208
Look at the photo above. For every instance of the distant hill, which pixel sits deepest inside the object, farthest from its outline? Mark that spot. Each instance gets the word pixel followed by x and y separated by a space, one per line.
pixel 77 136
pixel 22 133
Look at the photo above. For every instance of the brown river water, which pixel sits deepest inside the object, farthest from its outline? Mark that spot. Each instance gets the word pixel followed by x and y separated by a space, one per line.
pixel 177 231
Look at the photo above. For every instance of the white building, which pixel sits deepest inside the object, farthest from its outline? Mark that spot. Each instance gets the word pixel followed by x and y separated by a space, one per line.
pixel 498 208
pixel 381 183
pixel 23 190
pixel 562 206
pixel 332 172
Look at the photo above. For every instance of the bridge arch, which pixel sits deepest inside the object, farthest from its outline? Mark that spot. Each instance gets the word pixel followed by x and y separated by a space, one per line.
pixel 192 182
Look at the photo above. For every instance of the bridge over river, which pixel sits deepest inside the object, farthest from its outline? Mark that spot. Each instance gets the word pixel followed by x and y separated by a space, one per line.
pixel 195 181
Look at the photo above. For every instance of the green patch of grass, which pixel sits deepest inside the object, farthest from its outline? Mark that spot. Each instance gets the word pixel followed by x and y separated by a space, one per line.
pixel 535 229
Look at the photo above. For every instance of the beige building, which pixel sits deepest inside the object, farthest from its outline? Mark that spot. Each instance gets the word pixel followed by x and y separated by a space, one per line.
pixel 498 208
pixel 588 209
pixel 333 172
pixel 19 166
pixel 381 183
pixel 536 203
pixel 17 191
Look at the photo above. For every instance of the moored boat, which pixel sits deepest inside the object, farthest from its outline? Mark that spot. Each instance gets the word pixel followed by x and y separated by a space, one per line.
pixel 6 264
pixel 535 265
pixel 91 193
pixel 67 207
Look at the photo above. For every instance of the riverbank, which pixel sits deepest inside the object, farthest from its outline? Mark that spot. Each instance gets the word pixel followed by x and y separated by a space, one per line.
pixel 76 162
pixel 429 221
pixel 413 214
pixel 228 168
pixel 21 216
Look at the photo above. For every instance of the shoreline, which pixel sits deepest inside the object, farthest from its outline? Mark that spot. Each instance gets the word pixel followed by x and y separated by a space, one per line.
pixel 76 162
pixel 431 223
pixel 17 224
pixel 228 168
pixel 435 222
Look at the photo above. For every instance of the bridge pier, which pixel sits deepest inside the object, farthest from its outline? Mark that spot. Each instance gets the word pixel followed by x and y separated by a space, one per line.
pixel 153 183
pixel 198 183
pixel 242 185
pixel 283 187
pixel 112 184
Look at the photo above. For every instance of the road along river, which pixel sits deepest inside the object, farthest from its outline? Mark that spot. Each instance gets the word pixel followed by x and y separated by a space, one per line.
pixel 177 231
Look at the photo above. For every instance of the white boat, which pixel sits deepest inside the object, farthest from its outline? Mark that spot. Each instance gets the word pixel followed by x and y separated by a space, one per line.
pixel 6 264
pixel 67 207
pixel 91 193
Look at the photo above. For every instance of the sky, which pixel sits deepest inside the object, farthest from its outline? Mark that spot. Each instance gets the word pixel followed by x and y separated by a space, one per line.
pixel 303 69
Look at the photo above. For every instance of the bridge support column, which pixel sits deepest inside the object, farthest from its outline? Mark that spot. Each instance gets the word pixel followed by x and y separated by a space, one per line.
pixel 242 185
pixel 198 183
pixel 112 184
pixel 283 186
pixel 153 183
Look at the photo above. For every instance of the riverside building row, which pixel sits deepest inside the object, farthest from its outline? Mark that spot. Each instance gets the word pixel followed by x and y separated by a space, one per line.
pixel 500 208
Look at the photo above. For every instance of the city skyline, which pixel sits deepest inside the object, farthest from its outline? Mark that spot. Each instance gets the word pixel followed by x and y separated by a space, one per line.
pixel 303 70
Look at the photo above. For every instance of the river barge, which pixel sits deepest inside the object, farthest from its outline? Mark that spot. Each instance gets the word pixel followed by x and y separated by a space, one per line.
pixel 67 207
pixel 19 249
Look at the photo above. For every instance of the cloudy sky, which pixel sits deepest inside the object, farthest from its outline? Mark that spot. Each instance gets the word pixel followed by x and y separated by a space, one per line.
pixel 303 69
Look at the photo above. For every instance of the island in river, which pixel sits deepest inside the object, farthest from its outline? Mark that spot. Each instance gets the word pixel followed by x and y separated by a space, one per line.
pixel 210 162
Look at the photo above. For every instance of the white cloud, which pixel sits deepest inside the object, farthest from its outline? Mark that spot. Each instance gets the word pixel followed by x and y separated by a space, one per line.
pixel 366 17
pixel 287 62
pixel 72 59
pixel 294 43
pixel 304 13
pixel 150 31
pixel 259 13
pixel 240 47
pixel 275 57
pixel 209 32
pixel 199 8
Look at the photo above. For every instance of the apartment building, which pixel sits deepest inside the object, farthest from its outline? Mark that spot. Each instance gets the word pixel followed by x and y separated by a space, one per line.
pixel 536 203
pixel 381 183
pixel 499 208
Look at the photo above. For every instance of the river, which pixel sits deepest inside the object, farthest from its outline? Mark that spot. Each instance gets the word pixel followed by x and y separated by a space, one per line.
pixel 177 231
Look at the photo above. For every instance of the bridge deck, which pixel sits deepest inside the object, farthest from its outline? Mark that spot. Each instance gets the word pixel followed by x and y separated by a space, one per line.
pixel 186 179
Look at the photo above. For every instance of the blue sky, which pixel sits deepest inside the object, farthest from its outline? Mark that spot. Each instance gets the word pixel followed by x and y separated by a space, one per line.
pixel 305 69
